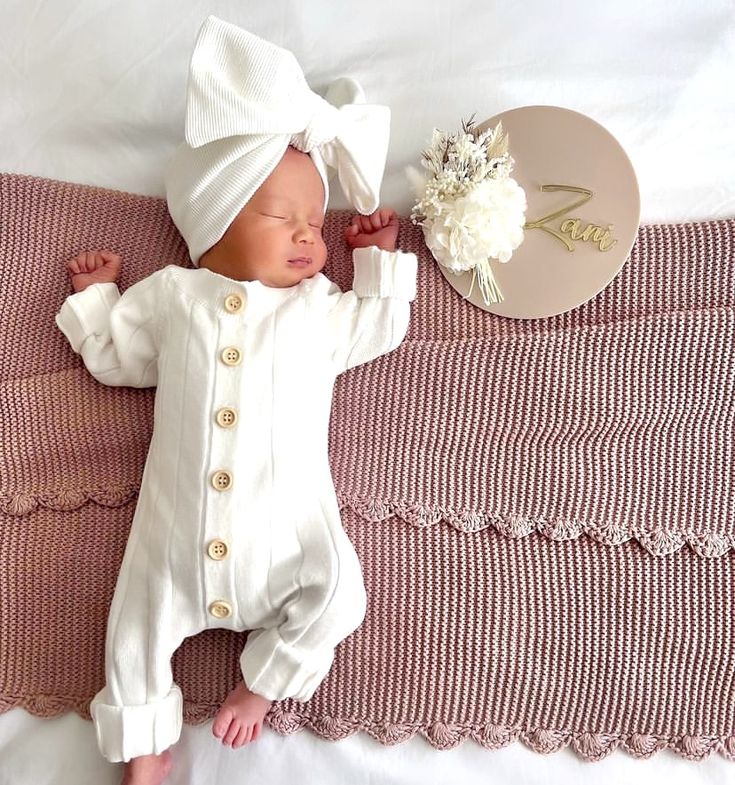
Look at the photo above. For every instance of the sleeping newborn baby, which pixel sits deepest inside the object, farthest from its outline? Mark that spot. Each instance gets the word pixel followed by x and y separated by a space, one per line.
pixel 237 523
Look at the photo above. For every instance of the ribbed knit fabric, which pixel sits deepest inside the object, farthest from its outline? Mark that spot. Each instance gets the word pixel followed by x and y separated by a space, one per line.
pixel 608 429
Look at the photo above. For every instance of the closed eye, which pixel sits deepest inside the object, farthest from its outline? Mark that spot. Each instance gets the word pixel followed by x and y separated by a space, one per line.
pixel 284 218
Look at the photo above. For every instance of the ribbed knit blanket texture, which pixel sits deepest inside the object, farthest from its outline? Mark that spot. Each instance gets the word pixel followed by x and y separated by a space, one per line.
pixel 544 509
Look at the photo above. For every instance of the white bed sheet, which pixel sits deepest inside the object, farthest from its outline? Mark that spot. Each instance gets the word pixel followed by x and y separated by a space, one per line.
pixel 93 92
pixel 63 751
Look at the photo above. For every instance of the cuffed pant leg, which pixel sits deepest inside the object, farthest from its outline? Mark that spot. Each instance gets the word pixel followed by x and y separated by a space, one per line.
pixel 139 710
pixel 275 670
pixel 293 658
pixel 125 732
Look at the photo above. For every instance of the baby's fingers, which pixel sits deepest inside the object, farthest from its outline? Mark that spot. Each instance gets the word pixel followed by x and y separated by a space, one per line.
pixel 388 217
pixel 82 263
pixel 362 222
pixel 110 259
pixel 88 264
pixel 75 263
pixel 375 221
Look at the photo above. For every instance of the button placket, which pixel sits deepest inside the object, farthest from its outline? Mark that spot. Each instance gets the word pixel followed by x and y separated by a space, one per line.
pixel 218 560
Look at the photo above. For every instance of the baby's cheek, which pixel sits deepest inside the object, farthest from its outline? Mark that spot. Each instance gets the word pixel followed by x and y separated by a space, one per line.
pixel 323 250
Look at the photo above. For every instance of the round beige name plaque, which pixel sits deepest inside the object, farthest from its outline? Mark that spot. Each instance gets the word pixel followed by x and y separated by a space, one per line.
pixel 582 216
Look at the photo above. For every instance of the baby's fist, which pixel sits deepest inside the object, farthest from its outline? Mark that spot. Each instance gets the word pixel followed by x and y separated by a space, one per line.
pixel 91 267
pixel 380 228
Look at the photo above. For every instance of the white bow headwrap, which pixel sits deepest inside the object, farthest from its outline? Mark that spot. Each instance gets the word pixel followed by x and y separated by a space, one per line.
pixel 247 101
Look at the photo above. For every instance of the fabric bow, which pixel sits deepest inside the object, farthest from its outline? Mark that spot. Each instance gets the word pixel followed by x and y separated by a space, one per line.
pixel 244 88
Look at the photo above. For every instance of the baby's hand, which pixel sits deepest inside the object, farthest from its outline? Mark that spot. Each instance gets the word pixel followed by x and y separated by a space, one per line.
pixel 91 267
pixel 380 228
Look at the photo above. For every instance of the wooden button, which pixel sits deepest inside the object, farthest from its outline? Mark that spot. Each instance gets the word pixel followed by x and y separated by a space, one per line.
pixel 226 417
pixel 217 550
pixel 233 303
pixel 231 355
pixel 220 609
pixel 222 480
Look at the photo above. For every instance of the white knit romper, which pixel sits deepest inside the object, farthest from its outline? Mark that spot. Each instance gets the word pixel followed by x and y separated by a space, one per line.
pixel 237 523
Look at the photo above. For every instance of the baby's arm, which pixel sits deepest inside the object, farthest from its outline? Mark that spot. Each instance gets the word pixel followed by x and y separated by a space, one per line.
pixel 117 336
pixel 372 318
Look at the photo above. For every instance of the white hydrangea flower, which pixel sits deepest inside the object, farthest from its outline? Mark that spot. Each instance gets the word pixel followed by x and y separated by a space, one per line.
pixel 487 222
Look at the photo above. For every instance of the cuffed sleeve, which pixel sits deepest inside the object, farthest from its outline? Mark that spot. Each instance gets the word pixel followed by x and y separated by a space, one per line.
pixel 116 335
pixel 381 273
pixel 372 318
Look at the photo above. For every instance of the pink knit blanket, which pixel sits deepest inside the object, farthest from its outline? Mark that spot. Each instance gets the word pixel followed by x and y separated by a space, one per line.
pixel 544 510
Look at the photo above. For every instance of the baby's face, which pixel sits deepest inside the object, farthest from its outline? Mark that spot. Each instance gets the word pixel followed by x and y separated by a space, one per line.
pixel 282 223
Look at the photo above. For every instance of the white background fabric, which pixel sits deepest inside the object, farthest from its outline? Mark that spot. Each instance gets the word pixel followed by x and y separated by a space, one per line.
pixel 93 92
pixel 63 751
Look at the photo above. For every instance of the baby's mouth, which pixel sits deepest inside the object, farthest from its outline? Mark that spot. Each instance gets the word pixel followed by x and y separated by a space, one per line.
pixel 301 261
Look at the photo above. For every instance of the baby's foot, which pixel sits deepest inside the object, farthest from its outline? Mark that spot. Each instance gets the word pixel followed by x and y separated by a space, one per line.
pixel 148 769
pixel 240 718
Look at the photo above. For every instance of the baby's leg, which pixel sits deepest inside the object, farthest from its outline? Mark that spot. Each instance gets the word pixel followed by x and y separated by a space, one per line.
pixel 138 713
pixel 291 659
pixel 148 769
pixel 240 718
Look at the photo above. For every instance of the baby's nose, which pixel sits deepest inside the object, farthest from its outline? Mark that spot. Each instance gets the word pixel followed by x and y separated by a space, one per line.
pixel 304 233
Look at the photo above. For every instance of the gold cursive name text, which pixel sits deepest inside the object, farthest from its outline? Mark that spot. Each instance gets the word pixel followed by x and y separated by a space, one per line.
pixel 598 235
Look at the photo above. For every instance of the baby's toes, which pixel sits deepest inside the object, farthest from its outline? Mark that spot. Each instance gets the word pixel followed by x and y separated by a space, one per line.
pixel 222 723
pixel 168 763
pixel 242 737
pixel 232 731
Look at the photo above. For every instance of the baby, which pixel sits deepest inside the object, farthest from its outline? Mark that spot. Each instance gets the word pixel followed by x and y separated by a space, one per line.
pixel 258 304
pixel 237 523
